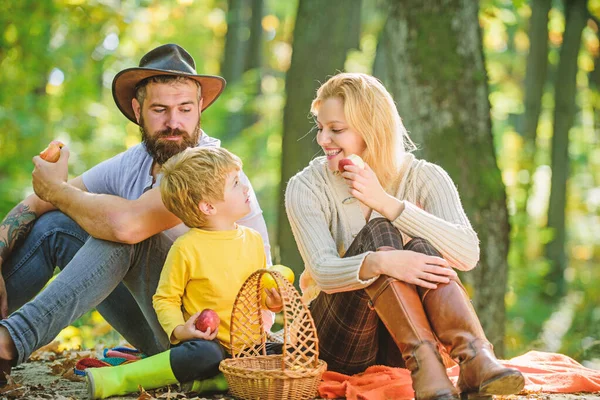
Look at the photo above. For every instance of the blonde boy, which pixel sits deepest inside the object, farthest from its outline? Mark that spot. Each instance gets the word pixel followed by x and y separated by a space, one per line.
pixel 202 187
pixel 205 268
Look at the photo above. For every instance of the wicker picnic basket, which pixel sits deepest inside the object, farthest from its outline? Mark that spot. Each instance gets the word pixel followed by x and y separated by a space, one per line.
pixel 251 373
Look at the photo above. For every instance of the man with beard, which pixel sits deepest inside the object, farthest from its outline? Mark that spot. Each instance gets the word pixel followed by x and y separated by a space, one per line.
pixel 107 229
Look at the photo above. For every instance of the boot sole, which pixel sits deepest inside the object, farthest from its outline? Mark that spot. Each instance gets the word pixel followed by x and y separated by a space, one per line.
pixel 511 382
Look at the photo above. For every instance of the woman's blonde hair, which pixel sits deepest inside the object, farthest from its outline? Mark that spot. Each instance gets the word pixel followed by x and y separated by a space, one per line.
pixel 370 110
pixel 194 175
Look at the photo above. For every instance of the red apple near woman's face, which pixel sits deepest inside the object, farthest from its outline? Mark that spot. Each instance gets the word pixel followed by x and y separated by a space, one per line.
pixel 352 159
pixel 343 162
pixel 208 319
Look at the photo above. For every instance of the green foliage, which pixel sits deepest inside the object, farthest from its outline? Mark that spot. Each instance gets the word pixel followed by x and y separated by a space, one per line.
pixel 584 334
pixel 529 307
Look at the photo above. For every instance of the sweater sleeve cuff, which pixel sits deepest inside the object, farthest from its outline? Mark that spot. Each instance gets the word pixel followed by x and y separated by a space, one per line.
pixel 367 282
pixel 169 332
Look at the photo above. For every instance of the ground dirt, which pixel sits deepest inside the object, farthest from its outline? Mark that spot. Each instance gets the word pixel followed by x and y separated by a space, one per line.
pixel 49 375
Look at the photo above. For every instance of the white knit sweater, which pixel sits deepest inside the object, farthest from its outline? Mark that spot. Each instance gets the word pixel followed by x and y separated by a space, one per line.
pixel 324 227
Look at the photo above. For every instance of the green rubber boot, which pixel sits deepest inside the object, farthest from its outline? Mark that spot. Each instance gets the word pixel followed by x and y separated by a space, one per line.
pixel 218 383
pixel 150 373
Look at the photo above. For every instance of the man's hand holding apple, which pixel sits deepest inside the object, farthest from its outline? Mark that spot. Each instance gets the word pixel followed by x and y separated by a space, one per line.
pixel 48 176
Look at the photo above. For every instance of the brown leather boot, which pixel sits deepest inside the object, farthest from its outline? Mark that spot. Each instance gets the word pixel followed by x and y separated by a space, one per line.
pixel 456 325
pixel 399 307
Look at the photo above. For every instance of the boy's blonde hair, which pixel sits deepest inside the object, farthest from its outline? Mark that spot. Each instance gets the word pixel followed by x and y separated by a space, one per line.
pixel 194 175
pixel 370 110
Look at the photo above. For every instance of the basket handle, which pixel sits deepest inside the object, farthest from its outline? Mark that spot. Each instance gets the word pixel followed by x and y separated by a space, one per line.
pixel 248 338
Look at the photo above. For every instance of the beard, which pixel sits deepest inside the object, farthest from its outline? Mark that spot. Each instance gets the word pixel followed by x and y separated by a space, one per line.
pixel 162 150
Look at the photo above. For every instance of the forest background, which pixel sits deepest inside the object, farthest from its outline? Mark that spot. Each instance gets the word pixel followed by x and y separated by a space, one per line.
pixel 503 94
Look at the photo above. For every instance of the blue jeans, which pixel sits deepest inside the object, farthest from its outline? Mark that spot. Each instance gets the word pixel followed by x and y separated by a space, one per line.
pixel 119 279
pixel 196 359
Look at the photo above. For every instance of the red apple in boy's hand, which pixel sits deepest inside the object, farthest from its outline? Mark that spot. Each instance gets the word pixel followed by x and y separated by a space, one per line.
pixel 352 159
pixel 52 152
pixel 208 319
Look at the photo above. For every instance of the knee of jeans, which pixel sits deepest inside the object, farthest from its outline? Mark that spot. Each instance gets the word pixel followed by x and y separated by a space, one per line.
pixel 211 351
pixel 56 219
pixel 196 359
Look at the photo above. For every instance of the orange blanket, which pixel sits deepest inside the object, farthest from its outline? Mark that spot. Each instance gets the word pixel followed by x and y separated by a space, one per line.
pixel 544 372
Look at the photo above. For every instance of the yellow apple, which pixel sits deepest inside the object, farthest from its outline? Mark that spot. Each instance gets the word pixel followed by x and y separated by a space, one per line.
pixel 267 281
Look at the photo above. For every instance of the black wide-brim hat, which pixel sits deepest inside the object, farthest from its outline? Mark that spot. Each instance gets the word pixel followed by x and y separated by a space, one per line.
pixel 168 59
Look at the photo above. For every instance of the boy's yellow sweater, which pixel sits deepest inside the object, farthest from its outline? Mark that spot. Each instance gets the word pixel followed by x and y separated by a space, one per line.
pixel 206 269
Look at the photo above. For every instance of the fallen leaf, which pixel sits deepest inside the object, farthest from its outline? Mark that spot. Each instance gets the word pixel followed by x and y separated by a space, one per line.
pixel 62 366
pixel 61 397
pixel 143 394
pixel 170 394
pixel 48 352
pixel 13 389
pixel 72 376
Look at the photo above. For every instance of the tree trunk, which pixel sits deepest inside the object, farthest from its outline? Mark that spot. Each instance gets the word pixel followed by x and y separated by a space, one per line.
pixel 434 67
pixel 565 90
pixel 254 54
pixel 594 78
pixel 234 62
pixel 233 58
pixel 254 61
pixel 323 35
pixel 535 79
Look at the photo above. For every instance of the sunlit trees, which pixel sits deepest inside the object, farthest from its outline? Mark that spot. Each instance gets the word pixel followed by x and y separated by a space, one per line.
pixel 323 34
pixel 57 60
pixel 565 89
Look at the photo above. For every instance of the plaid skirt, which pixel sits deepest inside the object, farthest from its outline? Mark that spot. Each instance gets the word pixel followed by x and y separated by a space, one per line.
pixel 351 336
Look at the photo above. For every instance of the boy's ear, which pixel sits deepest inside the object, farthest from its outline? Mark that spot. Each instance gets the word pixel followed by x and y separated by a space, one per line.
pixel 206 208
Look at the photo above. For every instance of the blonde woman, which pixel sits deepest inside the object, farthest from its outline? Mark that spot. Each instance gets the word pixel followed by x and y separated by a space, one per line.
pixel 380 245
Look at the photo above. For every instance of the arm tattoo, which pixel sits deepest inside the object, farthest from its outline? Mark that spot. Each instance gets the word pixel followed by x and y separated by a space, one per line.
pixel 15 227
